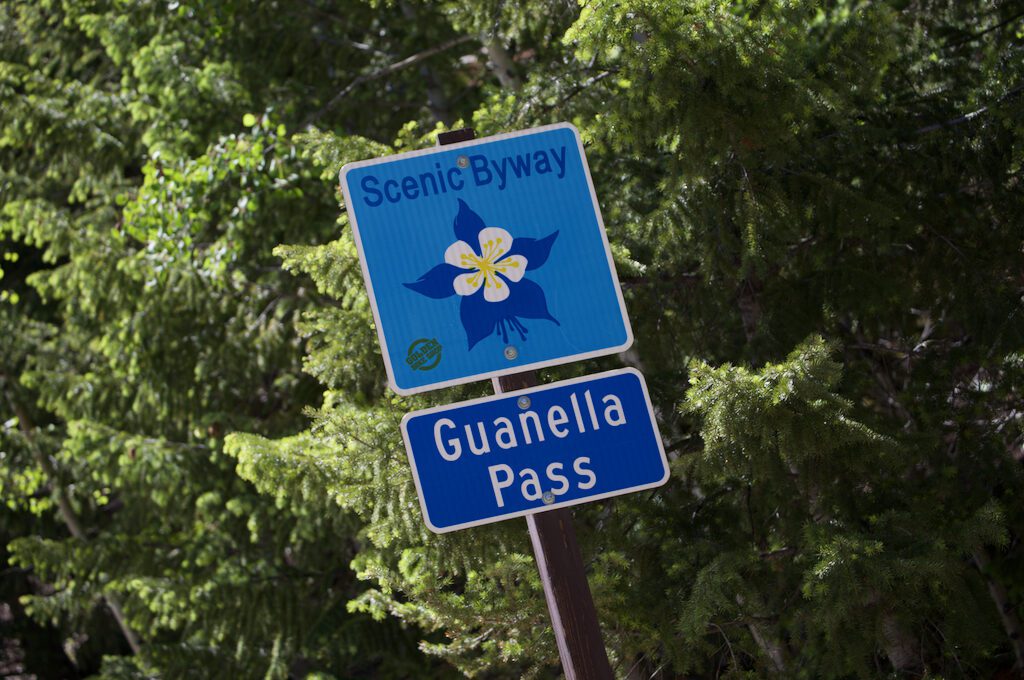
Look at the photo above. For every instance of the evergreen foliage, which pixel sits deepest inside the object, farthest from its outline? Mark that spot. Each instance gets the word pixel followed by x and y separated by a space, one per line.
pixel 814 209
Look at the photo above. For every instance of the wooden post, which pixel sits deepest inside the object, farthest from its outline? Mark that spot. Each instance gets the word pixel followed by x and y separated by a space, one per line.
pixel 570 603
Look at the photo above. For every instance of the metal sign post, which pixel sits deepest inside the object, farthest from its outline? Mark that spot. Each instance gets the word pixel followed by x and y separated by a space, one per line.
pixel 570 604
pixel 488 259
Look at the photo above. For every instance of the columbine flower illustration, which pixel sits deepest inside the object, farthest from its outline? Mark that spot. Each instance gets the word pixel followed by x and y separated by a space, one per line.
pixel 486 267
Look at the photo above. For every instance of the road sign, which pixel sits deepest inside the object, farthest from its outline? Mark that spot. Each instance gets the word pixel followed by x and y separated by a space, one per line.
pixel 517 453
pixel 485 258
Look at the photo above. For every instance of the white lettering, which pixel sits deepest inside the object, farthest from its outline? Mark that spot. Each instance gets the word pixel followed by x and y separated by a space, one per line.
pixel 615 406
pixel 582 413
pixel 506 429
pixel 454 442
pixel 562 480
pixel 532 416
pixel 485 447
pixel 590 409
pixel 578 466
pixel 497 485
pixel 531 480
pixel 556 418
pixel 577 413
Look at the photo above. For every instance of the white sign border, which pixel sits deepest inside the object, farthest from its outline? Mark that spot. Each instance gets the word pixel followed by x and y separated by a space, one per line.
pixel 519 368
pixel 514 395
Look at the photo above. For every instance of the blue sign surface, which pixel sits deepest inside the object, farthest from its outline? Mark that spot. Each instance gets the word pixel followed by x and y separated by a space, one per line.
pixel 485 258
pixel 504 456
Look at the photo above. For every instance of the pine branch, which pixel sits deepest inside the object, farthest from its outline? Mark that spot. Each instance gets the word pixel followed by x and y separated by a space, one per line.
pixel 735 663
pixel 71 520
pixel 781 552
pixel 675 278
pixel 971 37
pixel 772 647
pixel 382 73
pixel 967 117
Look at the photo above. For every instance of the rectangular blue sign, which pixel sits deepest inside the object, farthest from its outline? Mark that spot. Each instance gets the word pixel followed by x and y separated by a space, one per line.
pixel 512 454
pixel 485 258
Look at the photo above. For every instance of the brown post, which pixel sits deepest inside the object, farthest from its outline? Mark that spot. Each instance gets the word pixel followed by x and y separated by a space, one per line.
pixel 570 604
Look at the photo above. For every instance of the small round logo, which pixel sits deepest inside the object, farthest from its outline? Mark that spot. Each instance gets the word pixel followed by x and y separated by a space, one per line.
pixel 424 354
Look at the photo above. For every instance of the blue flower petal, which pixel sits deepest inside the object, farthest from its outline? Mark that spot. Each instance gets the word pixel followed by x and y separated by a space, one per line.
pixel 527 301
pixel 438 282
pixel 468 225
pixel 479 317
pixel 535 250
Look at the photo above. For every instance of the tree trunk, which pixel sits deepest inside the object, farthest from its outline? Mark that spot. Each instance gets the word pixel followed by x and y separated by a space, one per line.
pixel 900 646
pixel 768 643
pixel 1007 613
pixel 501 64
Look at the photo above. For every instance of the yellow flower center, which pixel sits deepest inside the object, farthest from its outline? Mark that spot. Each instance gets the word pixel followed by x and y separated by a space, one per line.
pixel 487 264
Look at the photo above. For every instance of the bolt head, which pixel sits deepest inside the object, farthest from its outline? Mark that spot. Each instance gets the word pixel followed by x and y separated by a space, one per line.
pixel 523 401
pixel 511 353
pixel 548 498
pixel 462 161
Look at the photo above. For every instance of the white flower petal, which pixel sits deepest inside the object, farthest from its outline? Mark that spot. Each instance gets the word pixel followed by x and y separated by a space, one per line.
pixel 460 254
pixel 512 267
pixel 467 284
pixel 494 242
pixel 495 290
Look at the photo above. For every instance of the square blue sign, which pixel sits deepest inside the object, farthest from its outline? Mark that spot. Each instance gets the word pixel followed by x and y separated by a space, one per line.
pixel 513 454
pixel 485 258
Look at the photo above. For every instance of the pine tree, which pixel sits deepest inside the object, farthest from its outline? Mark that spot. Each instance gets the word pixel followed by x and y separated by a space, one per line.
pixel 814 213
pixel 149 318
pixel 810 207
